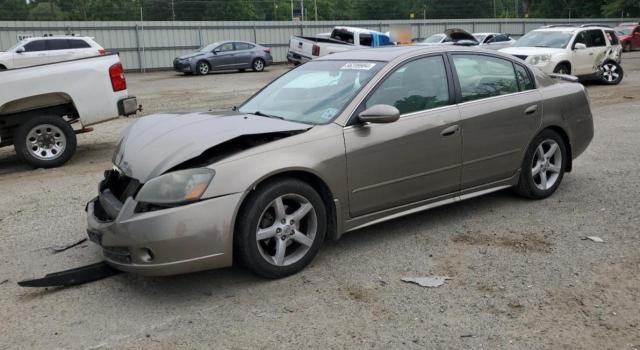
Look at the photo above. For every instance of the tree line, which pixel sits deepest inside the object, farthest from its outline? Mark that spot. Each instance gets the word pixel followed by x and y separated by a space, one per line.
pixel 281 10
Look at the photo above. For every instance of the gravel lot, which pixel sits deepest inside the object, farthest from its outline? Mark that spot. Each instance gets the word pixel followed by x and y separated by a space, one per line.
pixel 522 276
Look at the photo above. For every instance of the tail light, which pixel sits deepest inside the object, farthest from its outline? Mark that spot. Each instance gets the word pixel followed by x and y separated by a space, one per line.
pixel 102 51
pixel 267 50
pixel 315 50
pixel 116 73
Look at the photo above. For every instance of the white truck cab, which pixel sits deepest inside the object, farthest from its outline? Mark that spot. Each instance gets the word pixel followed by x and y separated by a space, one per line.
pixel 585 51
pixel 43 50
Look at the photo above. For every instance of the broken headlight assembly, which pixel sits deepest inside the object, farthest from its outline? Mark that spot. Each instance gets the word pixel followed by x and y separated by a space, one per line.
pixel 174 189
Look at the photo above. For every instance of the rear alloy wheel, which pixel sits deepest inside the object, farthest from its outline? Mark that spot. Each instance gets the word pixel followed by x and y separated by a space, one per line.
pixel 203 68
pixel 45 141
pixel 258 65
pixel 282 228
pixel 611 73
pixel 562 69
pixel 543 166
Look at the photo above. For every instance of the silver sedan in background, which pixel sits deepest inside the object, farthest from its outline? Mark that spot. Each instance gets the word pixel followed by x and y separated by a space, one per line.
pixel 224 55
pixel 494 41
pixel 339 143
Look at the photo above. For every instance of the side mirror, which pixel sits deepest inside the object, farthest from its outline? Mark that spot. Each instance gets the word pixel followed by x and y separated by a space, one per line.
pixel 579 46
pixel 379 114
pixel 20 49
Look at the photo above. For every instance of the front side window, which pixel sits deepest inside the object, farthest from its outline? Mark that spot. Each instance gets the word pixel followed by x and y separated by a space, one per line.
pixel 225 47
pixel 484 76
pixel 418 85
pixel 315 92
pixel 597 37
pixel 501 38
pixel 36 45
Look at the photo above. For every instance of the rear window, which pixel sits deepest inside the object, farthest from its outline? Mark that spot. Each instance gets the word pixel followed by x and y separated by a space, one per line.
pixel 57 44
pixel 342 35
pixel 78 44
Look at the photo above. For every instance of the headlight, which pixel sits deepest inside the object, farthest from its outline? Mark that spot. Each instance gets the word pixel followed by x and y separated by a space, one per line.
pixel 189 59
pixel 181 186
pixel 540 60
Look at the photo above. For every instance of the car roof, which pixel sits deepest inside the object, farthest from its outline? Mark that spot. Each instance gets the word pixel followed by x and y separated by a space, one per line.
pixel 390 53
pixel 58 37
pixel 358 30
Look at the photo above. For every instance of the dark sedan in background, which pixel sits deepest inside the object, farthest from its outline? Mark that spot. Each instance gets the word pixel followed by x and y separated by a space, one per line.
pixel 224 55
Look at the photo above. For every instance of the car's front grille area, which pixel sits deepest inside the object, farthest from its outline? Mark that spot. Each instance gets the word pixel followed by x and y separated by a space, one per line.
pixel 120 185
pixel 522 57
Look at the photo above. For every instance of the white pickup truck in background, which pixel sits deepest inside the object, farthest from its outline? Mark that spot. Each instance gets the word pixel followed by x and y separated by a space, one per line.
pixel 40 104
pixel 303 49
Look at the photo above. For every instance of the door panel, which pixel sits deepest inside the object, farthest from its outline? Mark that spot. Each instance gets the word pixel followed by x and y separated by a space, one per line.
pixel 223 56
pixel 409 160
pixel 497 120
pixel 243 54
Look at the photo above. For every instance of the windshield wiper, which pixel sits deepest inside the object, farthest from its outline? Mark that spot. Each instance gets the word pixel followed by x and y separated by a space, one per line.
pixel 268 115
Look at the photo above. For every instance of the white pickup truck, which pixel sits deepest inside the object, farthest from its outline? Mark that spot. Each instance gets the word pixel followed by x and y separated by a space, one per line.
pixel 39 105
pixel 303 49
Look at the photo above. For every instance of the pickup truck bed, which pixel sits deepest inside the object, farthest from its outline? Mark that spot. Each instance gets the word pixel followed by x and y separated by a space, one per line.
pixel 38 104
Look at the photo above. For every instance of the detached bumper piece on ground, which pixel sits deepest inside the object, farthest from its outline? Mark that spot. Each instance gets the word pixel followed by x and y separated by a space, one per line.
pixel 72 277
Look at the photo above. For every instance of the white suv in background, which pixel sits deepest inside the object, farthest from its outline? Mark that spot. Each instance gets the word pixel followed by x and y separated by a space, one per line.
pixel 43 50
pixel 587 51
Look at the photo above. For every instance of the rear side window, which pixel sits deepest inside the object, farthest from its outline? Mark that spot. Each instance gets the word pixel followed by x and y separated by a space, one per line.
pixel 36 45
pixel 524 79
pixel 243 46
pixel 418 85
pixel 597 38
pixel 613 38
pixel 484 76
pixel 366 39
pixel 501 38
pixel 78 44
pixel 57 44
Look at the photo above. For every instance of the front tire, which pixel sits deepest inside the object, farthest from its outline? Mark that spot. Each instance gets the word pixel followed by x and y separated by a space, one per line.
pixel 283 224
pixel 203 68
pixel 612 73
pixel 562 68
pixel 257 65
pixel 543 166
pixel 45 141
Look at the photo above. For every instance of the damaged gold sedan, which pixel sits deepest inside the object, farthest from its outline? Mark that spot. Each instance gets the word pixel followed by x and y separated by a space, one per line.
pixel 339 143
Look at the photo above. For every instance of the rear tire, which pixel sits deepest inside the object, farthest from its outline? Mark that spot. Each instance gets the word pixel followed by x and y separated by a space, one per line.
pixel 257 65
pixel 203 68
pixel 562 68
pixel 45 141
pixel 543 166
pixel 283 224
pixel 612 73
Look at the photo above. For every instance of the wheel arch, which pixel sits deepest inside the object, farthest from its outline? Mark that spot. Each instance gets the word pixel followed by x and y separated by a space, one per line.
pixel 567 142
pixel 566 63
pixel 2 66
pixel 309 177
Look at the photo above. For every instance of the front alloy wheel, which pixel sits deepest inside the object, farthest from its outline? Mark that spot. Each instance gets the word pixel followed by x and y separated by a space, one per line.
pixel 280 228
pixel 203 68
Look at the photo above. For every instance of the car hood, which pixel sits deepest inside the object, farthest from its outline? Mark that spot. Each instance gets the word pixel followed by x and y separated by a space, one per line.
pixel 154 144
pixel 530 51
pixel 190 55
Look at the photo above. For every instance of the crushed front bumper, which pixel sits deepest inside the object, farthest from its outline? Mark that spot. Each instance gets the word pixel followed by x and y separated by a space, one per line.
pixel 183 239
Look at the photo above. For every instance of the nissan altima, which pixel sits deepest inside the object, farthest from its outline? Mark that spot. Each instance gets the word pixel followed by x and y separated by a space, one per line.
pixel 342 142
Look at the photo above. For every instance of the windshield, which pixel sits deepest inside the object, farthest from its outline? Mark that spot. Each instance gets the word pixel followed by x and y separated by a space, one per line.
pixel 479 37
pixel 624 30
pixel 558 40
pixel 209 47
pixel 435 38
pixel 313 93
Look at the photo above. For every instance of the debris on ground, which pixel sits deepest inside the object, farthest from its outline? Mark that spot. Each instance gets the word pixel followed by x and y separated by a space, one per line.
pixel 61 248
pixel 4 281
pixel 429 281
pixel 594 239
pixel 628 97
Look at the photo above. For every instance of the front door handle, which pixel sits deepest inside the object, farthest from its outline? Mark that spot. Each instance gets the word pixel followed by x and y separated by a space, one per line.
pixel 531 109
pixel 450 130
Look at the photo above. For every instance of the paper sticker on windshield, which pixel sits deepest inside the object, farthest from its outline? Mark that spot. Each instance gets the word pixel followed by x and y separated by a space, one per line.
pixel 358 66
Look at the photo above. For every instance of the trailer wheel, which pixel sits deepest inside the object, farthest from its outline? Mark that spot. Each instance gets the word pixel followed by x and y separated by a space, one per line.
pixel 45 141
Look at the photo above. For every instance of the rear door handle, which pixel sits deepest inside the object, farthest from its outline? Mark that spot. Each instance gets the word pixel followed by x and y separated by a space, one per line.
pixel 531 109
pixel 450 130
